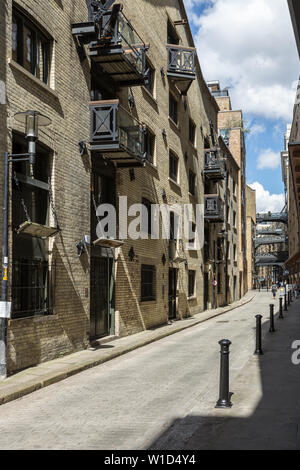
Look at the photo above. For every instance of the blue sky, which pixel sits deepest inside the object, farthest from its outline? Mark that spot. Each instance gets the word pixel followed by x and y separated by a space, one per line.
pixel 249 46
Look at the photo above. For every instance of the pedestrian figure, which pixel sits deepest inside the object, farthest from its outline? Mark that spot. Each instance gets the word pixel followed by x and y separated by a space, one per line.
pixel 296 290
pixel 274 290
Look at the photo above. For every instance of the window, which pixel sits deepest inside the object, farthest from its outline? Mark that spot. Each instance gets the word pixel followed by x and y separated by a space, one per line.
pixel 31 273
pixel 173 173
pixel 172 37
pixel 148 283
pixel 192 131
pixel 30 47
pixel 234 253
pixel 219 249
pixel 225 134
pixel 192 234
pixel 192 182
pixel 150 77
pixel 148 221
pixel 173 108
pixel 233 187
pixel 191 283
pixel 234 219
pixel 219 283
pixel 149 142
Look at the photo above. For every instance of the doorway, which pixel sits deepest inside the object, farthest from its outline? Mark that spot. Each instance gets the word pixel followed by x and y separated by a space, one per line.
pixel 102 297
pixel 172 293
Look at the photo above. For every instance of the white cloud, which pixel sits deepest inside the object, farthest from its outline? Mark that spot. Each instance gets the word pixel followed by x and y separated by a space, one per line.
pixel 265 201
pixel 268 159
pixel 250 46
pixel 256 129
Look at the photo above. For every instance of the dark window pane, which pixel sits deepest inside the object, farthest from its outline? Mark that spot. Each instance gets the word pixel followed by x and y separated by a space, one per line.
pixel 150 77
pixel 173 108
pixel 192 180
pixel 192 131
pixel 148 283
pixel 173 167
pixel 191 283
pixel 149 141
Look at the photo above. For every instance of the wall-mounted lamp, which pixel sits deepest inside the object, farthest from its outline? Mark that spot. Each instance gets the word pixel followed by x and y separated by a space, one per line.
pixel 164 134
pixel 82 148
pixel 131 254
pixel 164 194
pixel 83 244
pixel 162 72
pixel 131 102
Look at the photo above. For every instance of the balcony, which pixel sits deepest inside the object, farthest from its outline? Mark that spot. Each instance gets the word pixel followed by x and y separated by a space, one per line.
pixel 115 45
pixel 214 168
pixel 117 134
pixel 213 208
pixel 181 66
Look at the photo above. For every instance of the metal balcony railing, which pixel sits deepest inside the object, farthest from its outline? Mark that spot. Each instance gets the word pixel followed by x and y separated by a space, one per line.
pixel 114 131
pixel 213 208
pixel 214 167
pixel 115 45
pixel 181 66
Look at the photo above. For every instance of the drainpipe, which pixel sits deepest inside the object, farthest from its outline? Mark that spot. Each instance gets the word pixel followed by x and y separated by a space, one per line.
pixel 226 235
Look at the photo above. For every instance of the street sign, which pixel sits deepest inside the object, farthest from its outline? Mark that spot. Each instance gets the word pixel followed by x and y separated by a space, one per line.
pixel 215 283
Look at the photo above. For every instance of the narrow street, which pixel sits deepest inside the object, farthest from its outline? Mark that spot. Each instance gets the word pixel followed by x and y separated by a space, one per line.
pixel 132 402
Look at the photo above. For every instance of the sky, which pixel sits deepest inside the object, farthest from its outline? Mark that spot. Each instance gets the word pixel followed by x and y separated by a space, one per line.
pixel 249 46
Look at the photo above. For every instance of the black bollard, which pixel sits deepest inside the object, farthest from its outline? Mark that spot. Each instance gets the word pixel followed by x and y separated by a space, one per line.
pixel 272 327
pixel 285 304
pixel 291 294
pixel 224 398
pixel 280 309
pixel 289 298
pixel 258 350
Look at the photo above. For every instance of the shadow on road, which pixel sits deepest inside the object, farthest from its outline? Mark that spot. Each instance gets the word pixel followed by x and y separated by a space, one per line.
pixel 266 401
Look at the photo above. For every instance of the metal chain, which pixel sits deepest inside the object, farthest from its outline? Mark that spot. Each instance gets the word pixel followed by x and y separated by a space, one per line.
pixel 52 202
pixel 22 199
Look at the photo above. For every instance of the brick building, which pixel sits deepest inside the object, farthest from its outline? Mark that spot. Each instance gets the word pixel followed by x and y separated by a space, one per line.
pixel 231 128
pixel 131 115
pixel 250 236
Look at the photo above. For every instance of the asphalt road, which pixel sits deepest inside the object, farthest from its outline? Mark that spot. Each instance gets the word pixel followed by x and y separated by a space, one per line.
pixel 129 402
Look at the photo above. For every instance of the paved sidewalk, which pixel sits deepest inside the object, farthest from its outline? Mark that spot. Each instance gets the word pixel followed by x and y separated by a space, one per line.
pixel 266 400
pixel 47 373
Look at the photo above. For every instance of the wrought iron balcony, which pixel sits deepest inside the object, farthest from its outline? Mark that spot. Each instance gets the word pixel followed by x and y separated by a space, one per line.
pixel 214 167
pixel 117 134
pixel 272 217
pixel 115 45
pixel 278 232
pixel 181 66
pixel 213 208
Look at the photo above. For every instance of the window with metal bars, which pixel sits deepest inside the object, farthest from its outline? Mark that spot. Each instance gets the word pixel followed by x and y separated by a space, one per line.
pixel 31 281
